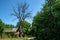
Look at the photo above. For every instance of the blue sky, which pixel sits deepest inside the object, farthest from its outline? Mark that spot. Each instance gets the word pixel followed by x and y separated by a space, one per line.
pixel 7 5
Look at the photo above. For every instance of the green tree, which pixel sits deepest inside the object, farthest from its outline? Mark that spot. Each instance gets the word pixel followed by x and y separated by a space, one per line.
pixel 26 27
pixel 1 28
pixel 46 23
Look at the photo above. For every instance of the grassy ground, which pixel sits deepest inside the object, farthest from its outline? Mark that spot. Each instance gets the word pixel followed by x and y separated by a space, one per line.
pixel 25 38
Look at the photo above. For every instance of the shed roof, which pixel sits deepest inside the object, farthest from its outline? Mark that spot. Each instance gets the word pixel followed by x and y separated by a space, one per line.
pixel 10 30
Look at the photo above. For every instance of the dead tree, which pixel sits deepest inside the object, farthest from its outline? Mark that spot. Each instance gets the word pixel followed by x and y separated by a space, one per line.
pixel 21 13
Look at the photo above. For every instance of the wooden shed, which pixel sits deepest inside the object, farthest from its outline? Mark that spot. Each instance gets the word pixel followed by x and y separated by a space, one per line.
pixel 12 32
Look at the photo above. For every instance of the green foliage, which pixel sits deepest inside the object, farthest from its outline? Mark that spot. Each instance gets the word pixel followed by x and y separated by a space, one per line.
pixel 46 24
pixel 9 26
pixel 1 28
pixel 26 26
